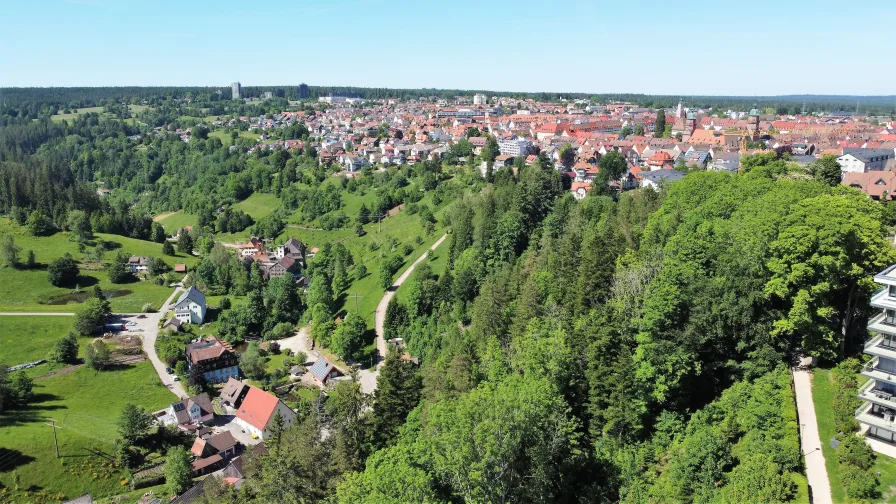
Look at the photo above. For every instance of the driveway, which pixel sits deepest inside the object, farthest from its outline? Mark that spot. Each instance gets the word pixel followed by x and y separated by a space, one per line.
pixel 228 423
pixel 149 333
pixel 368 376
pixel 298 343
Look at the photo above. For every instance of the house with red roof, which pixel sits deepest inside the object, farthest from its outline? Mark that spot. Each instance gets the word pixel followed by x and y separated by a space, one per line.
pixel 257 411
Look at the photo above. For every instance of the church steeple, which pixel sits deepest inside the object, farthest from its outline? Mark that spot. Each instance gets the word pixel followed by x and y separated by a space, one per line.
pixel 679 113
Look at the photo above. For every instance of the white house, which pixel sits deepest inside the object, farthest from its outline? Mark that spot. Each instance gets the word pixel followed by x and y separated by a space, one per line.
pixel 191 411
pixel 190 307
pixel 257 411
pixel 139 264
pixel 864 160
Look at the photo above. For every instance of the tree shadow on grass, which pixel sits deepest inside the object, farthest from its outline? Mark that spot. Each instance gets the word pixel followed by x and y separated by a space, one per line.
pixel 86 281
pixel 34 412
pixel 11 459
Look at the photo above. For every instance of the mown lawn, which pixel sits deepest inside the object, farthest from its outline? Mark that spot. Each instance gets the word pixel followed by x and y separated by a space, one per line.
pixel 29 338
pixel 177 220
pixel 86 406
pixel 258 205
pixel 823 397
pixel 29 289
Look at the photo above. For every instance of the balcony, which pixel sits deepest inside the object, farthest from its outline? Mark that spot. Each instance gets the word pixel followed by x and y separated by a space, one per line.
pixel 865 415
pixel 873 370
pixel 881 299
pixel 881 347
pixel 881 397
pixel 878 325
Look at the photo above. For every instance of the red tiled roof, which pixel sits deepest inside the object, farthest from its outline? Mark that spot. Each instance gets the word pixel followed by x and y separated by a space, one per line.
pixel 257 408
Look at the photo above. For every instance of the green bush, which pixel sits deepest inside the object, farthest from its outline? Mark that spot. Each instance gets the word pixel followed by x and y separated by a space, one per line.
pixel 853 450
pixel 859 484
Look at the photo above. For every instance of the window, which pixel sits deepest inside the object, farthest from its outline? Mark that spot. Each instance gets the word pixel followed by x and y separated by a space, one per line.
pixel 892 291
pixel 890 317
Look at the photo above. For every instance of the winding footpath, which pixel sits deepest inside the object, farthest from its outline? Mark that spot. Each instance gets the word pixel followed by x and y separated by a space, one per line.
pixel 810 443
pixel 368 377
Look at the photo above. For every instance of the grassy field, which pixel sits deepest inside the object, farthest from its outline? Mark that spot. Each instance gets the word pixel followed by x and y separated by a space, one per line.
pixel 227 139
pixel 25 289
pixel 173 221
pixel 258 205
pixel 823 397
pixel 86 437
pixel 26 338
pixel 72 115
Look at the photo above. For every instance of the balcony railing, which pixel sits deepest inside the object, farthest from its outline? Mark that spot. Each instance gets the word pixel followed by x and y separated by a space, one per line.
pixel 872 367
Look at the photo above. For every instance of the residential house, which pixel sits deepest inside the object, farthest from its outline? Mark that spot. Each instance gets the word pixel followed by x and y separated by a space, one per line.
pixel 580 189
pixel 656 177
pixel 172 324
pixel 222 444
pixel 879 185
pixel 139 264
pixel 234 392
pixel 323 371
pixel 189 413
pixel 215 360
pixel 190 307
pixel 258 410
pixel 725 161
pixel 864 160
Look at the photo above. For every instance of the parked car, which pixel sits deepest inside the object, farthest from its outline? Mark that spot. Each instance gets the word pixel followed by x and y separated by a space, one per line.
pixel 169 370
pixel 141 316
pixel 177 378
pixel 131 324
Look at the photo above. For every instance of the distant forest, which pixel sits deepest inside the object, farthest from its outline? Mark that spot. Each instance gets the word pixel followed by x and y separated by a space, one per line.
pixel 68 97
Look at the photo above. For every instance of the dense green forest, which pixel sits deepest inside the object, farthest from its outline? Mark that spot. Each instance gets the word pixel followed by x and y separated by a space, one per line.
pixel 600 351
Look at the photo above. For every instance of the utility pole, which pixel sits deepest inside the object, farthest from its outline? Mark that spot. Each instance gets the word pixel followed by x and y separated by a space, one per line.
pixel 356 296
pixel 55 439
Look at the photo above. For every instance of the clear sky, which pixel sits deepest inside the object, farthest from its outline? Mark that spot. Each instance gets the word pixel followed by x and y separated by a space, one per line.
pixel 718 47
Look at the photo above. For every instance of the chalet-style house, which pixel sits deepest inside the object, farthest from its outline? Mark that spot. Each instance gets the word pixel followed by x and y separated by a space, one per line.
pixel 214 359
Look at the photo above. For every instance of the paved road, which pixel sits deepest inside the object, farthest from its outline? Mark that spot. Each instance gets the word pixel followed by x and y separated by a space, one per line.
pixel 150 326
pixel 819 485
pixel 37 314
pixel 368 376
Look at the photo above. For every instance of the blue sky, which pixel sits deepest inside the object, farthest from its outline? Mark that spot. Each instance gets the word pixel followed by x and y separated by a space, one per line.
pixel 695 47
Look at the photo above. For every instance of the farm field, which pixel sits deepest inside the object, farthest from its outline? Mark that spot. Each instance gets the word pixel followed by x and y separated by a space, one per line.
pixel 86 437
pixel 29 289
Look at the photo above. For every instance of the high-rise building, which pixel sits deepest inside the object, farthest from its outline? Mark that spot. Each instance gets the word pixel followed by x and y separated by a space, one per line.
pixel 237 90
pixel 479 99
pixel 878 412
pixel 304 92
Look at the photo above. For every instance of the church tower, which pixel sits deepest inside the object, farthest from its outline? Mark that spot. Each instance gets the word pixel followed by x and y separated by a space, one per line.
pixel 753 124
pixel 679 112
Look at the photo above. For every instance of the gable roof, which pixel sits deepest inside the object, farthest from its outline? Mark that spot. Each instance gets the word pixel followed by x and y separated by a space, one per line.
pixel 193 294
pixel 205 349
pixel 321 369
pixel 232 390
pixel 182 408
pixel 257 408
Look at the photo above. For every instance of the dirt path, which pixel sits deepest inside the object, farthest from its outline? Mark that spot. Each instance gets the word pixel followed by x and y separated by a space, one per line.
pixel 65 370
pixel 368 377
pixel 163 216
pixel 819 485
